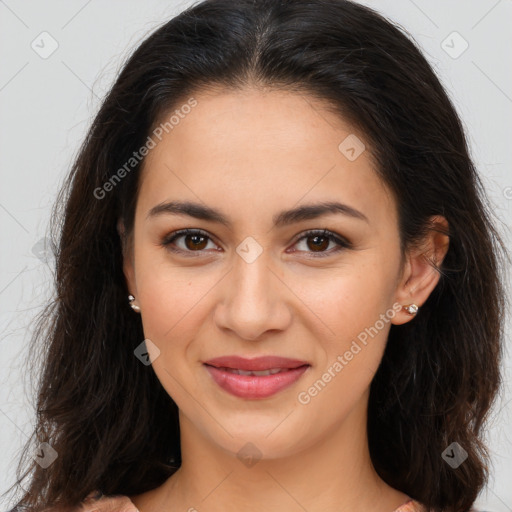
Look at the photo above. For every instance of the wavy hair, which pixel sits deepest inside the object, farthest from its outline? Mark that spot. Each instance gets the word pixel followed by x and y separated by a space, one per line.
pixel 109 419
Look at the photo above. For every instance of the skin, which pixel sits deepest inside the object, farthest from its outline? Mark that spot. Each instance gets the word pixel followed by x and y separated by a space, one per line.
pixel 252 154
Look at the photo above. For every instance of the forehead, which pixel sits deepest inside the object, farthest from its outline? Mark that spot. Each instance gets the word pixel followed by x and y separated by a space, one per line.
pixel 253 151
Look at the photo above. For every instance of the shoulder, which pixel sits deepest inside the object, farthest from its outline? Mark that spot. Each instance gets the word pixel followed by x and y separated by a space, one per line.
pixel 97 503
pixel 116 503
pixel 410 506
pixel 416 506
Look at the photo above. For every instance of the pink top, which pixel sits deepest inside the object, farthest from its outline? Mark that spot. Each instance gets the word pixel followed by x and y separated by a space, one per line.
pixel 410 506
pixel 122 503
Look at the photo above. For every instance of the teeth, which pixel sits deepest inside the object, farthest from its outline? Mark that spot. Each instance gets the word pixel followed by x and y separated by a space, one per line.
pixel 259 373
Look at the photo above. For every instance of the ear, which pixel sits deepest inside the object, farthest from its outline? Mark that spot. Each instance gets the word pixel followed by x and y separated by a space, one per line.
pixel 128 268
pixel 420 275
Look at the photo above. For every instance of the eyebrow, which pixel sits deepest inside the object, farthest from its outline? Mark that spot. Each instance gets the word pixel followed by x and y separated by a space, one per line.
pixel 283 218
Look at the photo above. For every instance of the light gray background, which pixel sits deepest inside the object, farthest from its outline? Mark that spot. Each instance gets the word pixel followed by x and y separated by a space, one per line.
pixel 46 106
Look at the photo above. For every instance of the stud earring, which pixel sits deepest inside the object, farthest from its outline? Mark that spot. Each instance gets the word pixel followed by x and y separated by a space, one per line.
pixel 412 309
pixel 135 308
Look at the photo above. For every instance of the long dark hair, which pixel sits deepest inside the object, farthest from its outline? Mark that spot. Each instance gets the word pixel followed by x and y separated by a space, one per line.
pixel 107 416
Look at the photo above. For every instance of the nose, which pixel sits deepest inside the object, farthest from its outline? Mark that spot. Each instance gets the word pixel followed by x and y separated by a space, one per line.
pixel 253 299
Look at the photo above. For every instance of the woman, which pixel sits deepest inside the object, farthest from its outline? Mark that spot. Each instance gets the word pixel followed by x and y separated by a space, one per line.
pixel 279 187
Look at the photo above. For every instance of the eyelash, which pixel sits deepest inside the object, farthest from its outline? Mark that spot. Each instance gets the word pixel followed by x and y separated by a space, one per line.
pixel 324 233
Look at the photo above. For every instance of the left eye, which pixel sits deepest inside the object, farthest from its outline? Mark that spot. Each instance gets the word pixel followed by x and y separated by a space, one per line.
pixel 195 240
pixel 320 240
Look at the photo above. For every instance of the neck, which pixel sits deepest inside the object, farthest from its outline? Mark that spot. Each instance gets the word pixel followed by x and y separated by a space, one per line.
pixel 333 474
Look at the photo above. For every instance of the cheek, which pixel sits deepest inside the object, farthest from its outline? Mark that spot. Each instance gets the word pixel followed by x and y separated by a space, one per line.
pixel 355 308
pixel 350 355
pixel 173 304
pixel 170 297
pixel 348 301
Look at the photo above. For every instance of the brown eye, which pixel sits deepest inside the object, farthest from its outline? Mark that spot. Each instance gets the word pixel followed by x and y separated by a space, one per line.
pixel 192 240
pixel 196 241
pixel 317 243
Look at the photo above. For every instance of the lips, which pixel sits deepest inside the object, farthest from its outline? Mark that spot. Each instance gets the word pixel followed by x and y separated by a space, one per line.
pixel 255 378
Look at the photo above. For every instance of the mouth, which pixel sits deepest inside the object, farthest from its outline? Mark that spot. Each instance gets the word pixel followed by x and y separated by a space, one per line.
pixel 262 363
pixel 256 373
pixel 256 384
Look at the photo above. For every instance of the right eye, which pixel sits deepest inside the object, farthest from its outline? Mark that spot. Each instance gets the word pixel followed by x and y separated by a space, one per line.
pixel 194 240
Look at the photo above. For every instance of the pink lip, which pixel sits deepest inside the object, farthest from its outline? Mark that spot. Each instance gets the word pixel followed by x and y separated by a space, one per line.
pixel 253 386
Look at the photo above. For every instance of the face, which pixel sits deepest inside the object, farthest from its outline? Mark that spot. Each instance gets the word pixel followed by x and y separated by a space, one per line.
pixel 263 282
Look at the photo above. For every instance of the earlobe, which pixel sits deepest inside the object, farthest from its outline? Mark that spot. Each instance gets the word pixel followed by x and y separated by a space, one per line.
pixel 421 273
